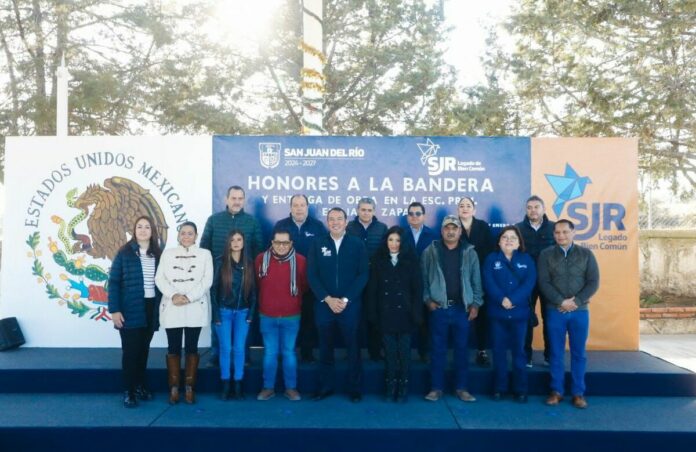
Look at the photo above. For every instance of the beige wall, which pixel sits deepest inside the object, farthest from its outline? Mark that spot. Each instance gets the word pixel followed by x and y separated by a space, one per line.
pixel 668 263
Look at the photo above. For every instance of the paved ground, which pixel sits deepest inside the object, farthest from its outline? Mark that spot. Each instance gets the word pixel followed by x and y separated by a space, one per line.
pixel 678 349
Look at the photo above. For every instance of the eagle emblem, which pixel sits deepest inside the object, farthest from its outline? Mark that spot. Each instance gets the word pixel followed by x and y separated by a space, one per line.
pixel 112 211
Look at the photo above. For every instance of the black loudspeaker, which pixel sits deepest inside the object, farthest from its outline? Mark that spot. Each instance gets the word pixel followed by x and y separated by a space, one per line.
pixel 10 334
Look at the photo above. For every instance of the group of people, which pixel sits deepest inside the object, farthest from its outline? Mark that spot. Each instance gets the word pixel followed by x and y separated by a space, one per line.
pixel 352 276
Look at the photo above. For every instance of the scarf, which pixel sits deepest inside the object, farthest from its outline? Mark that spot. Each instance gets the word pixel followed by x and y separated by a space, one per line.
pixel 265 264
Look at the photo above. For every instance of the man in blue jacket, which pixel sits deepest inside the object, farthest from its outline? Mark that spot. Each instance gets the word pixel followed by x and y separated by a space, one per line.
pixel 568 278
pixel 337 270
pixel 418 236
pixel 371 231
pixel 537 233
pixel 304 229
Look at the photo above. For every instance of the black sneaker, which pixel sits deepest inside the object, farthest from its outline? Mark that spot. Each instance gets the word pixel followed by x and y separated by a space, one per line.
pixel 141 393
pixel 482 359
pixel 129 399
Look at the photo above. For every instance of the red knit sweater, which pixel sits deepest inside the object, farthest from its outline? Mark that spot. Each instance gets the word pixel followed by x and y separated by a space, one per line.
pixel 274 289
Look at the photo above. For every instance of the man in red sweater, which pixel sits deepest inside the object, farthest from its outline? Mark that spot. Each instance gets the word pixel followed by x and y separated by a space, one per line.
pixel 281 276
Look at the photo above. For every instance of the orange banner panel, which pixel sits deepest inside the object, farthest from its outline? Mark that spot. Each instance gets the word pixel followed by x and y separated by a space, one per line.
pixel 594 183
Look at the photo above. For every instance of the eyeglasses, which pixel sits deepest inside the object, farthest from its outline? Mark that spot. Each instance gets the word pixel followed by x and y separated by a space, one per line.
pixel 415 214
pixel 281 243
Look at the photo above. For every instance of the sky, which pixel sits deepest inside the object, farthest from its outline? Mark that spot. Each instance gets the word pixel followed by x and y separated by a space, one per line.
pixel 470 20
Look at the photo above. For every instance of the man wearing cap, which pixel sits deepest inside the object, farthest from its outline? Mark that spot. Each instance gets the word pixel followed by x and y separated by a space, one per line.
pixel 453 293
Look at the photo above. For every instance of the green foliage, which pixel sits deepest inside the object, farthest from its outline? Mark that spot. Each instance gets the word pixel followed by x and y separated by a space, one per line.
pixel 650 300
pixel 33 240
pixel 37 269
pixel 77 307
pixel 608 68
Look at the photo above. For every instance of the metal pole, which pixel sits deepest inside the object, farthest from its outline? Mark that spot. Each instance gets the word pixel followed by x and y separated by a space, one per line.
pixel 313 81
pixel 63 77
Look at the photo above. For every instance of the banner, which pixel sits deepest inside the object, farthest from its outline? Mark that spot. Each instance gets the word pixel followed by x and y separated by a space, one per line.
pixel 394 171
pixel 593 183
pixel 71 203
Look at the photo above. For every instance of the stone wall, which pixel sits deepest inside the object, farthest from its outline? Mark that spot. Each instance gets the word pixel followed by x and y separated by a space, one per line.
pixel 668 263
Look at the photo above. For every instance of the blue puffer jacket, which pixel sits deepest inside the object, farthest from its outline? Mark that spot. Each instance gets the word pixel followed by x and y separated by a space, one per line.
pixel 126 291
pixel 513 279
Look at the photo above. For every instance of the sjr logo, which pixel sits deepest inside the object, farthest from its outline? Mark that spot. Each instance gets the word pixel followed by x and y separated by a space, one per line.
pixel 587 218
pixel 438 165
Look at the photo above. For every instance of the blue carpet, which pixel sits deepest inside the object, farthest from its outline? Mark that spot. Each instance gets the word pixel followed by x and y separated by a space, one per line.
pixel 98 422
pixel 32 370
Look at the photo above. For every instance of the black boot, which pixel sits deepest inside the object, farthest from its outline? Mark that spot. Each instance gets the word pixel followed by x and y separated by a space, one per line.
pixel 402 390
pixel 227 391
pixel 238 392
pixel 390 392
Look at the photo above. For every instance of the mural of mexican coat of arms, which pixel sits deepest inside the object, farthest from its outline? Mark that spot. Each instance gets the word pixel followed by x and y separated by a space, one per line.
pixel 86 238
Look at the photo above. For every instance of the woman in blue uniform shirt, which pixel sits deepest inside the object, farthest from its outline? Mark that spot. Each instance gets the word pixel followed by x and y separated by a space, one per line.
pixel 509 276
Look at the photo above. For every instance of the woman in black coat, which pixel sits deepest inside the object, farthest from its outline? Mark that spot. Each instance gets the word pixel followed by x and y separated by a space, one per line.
pixel 394 305
pixel 134 305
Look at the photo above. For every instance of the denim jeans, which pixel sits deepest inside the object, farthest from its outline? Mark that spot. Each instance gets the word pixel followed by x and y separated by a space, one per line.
pixel 455 318
pixel 279 334
pixel 577 325
pixel 508 334
pixel 232 333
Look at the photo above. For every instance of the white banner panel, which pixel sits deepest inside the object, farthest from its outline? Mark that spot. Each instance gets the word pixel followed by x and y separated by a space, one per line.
pixel 70 203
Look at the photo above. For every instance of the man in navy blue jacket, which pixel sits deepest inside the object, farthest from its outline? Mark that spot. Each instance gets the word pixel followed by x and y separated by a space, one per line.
pixel 337 270
pixel 304 229
pixel 418 236
pixel 537 233
pixel 371 231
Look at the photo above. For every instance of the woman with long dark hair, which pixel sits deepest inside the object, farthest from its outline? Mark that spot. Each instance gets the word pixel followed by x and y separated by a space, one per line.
pixel 394 304
pixel 509 276
pixel 234 306
pixel 477 232
pixel 133 304
pixel 184 277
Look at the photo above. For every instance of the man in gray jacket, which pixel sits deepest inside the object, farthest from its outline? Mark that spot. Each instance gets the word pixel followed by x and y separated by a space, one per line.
pixel 452 291
pixel 568 278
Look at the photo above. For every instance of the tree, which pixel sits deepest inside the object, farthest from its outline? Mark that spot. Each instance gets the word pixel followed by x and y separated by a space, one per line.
pixel 136 67
pixel 609 68
pixel 384 71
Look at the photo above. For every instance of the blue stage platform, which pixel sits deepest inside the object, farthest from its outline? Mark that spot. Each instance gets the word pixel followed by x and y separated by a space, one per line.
pixel 69 399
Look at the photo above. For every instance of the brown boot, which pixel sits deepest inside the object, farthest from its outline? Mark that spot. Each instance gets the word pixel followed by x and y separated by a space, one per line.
pixel 190 373
pixel 173 373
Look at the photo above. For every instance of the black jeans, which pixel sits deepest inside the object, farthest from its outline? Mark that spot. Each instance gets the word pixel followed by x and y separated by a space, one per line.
pixel 307 337
pixel 397 355
pixel 190 340
pixel 135 344
pixel 481 328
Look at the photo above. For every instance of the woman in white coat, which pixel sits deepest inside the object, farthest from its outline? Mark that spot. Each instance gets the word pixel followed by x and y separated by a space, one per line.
pixel 184 277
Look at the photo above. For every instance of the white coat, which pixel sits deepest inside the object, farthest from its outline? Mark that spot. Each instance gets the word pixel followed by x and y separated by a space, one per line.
pixel 185 271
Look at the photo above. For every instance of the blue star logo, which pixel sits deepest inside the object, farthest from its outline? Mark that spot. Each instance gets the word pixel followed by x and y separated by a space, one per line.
pixel 427 149
pixel 567 187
